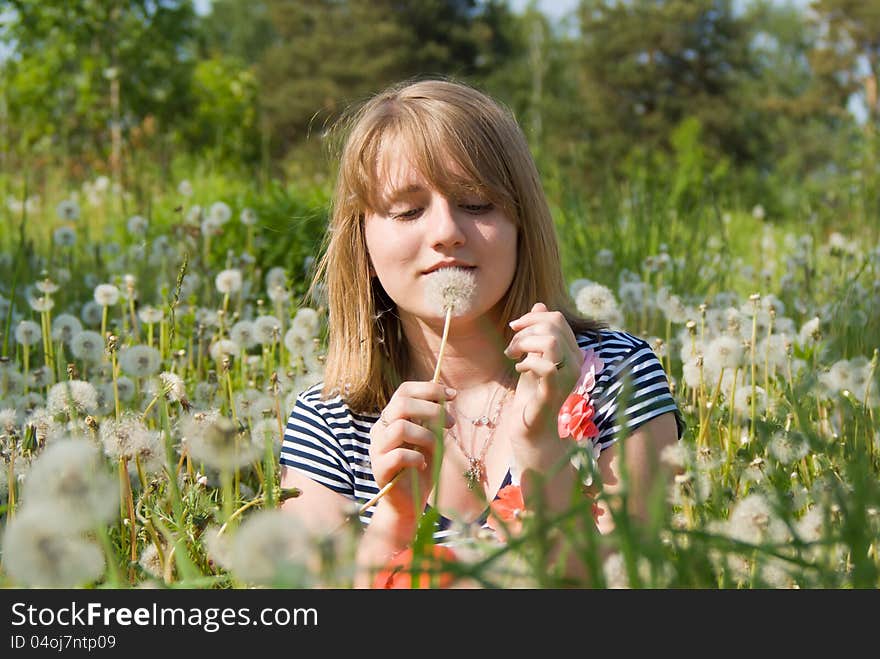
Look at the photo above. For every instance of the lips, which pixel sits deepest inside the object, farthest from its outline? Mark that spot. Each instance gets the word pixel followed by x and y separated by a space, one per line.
pixel 448 264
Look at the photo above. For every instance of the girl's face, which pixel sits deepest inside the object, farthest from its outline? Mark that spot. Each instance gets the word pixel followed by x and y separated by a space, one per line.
pixel 420 229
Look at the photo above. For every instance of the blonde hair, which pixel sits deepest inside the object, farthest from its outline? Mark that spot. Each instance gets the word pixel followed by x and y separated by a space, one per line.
pixel 434 122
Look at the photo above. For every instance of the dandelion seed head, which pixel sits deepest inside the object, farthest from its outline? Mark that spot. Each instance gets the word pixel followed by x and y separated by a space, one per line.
pixel 64 237
pixel 217 442
pixel 276 277
pixel 41 303
pixel 72 398
pixel 267 329
pixel 220 212
pixel 65 327
pixel 451 289
pixel 753 520
pixel 71 476
pixel 228 281
pixel 723 352
pixel 140 361
pixel 87 346
pixel 91 314
pixel 742 400
pixel 598 302
pixel 306 322
pixel 137 225
pixel 273 548
pixel 224 348
pixel 36 554
pixel 106 295
pixel 150 315
pixel 788 447
pixel 28 333
pixel 248 217
pixel 67 210
pixel 151 561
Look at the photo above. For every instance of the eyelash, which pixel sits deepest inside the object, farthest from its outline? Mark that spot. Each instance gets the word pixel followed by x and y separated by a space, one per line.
pixel 473 209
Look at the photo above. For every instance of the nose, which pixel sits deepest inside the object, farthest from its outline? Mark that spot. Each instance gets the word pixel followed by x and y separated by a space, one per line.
pixel 443 223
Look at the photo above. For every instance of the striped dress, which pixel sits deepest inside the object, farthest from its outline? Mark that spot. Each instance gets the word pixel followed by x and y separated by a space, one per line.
pixel 329 443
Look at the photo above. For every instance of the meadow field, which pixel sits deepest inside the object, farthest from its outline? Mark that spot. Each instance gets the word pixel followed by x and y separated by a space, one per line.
pixel 153 345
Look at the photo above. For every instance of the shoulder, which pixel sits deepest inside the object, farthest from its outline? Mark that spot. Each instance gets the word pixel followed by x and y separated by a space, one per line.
pixel 332 410
pixel 611 346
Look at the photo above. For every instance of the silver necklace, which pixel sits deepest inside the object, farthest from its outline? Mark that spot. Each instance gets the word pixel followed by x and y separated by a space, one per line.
pixel 476 470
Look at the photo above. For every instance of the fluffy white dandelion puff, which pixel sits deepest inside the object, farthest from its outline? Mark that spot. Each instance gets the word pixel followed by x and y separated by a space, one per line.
pixel 220 212
pixel 243 334
pixel 267 329
pixel 72 477
pixel 65 327
pixel 217 443
pixel 742 400
pixel 129 438
pixel 306 322
pixel 140 361
pixel 28 333
pixel 598 302
pixel 67 210
pixel 248 217
pixel 788 447
pixel 106 295
pixel 272 548
pixel 724 352
pixel 87 346
pixel 151 561
pixel 36 554
pixel 150 315
pixel 451 289
pixel 276 277
pixel 224 348
pixel 91 313
pixel 228 281
pixel 72 397
pixel 64 237
pixel 137 225
pixel 753 520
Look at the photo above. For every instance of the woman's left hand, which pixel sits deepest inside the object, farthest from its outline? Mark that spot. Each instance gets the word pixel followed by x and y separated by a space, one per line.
pixel 549 371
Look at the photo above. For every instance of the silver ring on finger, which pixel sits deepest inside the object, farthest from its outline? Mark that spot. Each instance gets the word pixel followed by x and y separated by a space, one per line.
pixel 384 421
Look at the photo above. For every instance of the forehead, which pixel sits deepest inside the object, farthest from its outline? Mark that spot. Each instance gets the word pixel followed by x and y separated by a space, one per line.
pixel 401 170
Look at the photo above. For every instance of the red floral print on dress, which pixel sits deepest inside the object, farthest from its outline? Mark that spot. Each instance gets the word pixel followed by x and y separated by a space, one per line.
pixel 508 508
pixel 575 418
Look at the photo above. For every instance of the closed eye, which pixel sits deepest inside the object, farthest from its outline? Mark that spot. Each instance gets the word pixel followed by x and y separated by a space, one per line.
pixel 410 214
pixel 477 209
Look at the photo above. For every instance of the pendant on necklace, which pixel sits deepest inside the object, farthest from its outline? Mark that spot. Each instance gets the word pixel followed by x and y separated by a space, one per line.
pixel 474 473
pixel 483 421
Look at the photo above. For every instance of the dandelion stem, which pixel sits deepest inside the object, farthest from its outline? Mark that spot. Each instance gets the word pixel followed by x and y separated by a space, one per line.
pixel 381 493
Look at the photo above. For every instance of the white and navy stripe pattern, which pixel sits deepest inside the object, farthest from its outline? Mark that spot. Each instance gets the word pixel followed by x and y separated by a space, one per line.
pixel 329 443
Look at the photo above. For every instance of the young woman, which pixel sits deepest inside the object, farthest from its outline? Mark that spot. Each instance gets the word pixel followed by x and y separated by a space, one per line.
pixel 436 175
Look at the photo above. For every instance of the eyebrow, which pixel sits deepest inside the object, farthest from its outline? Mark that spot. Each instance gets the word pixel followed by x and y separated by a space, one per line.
pixel 397 193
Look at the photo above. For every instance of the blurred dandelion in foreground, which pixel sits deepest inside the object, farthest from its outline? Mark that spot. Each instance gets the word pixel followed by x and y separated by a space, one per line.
pixel 106 295
pixel 36 554
pixel 217 443
pixel 140 361
pixel 70 476
pixel 272 548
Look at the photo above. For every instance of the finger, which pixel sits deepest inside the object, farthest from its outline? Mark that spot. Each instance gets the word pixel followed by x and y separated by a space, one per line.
pixel 433 391
pixel 537 365
pixel 414 409
pixel 547 345
pixel 401 458
pixel 403 432
pixel 553 319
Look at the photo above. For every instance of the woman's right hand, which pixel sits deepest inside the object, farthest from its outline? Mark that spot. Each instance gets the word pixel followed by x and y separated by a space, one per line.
pixel 403 438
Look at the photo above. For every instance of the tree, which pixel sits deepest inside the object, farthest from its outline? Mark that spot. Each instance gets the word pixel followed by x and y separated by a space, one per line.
pixel 83 73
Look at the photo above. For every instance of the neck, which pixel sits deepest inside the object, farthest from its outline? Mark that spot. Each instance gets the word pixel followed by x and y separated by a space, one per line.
pixel 473 355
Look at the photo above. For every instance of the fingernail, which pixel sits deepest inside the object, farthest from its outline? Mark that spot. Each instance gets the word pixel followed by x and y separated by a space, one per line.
pixel 450 392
